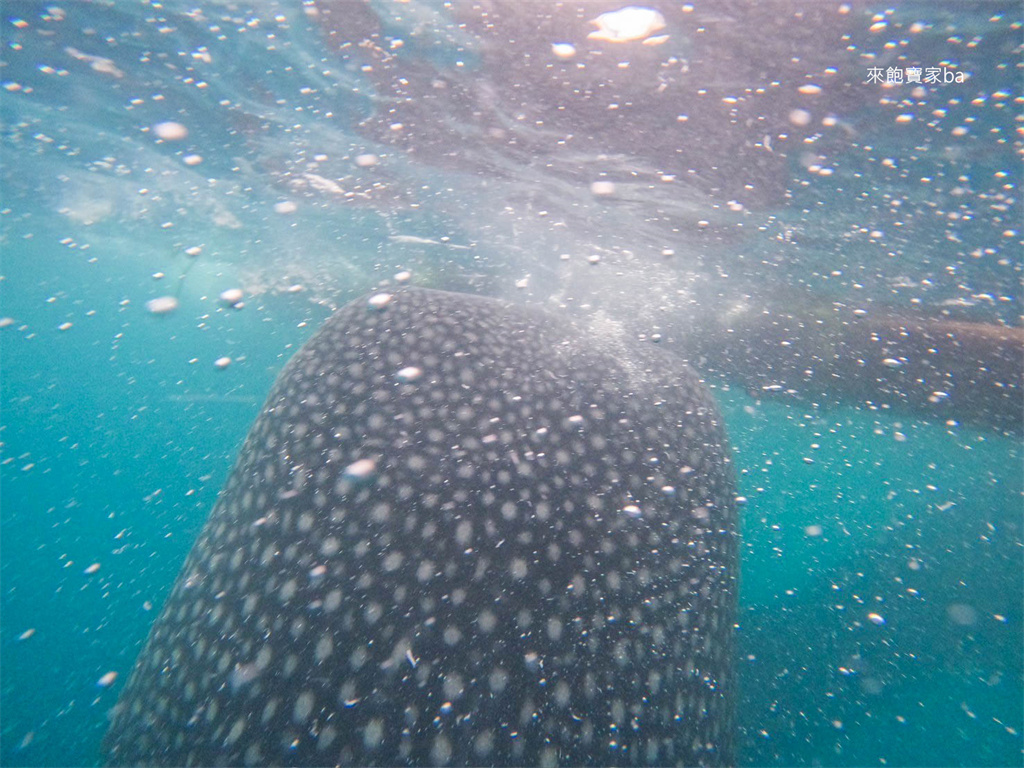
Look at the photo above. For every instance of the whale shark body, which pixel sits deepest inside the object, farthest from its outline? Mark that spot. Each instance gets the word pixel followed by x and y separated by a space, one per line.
pixel 459 532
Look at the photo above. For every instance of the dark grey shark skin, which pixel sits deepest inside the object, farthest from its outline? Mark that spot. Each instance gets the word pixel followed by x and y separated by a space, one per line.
pixel 460 532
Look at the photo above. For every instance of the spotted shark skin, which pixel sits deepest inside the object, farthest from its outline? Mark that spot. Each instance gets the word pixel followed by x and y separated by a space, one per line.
pixel 460 532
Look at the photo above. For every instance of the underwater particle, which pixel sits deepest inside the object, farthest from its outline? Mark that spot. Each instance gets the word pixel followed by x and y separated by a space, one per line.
pixel 813 530
pixel 892 362
pixel 379 300
pixel 876 619
pixel 403 277
pixel 594 259
pixel 6 322
pixel 159 275
pixel 92 568
pixel 906 117
pixel 231 296
pixel 809 89
pixel 192 159
pixel 26 740
pixel 367 160
pixel 799 117
pixel 222 362
pixel 360 470
pixel 162 305
pixel 409 374
pixel 26 634
pixel 602 188
pixel 563 50
pixel 64 327
pixel 107 680
pixel 626 24
pixel 285 206
pixel 523 283
pixel 962 614
pixel 632 510
pixel 170 131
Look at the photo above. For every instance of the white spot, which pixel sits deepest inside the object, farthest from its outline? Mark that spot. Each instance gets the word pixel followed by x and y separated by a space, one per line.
pixel 360 470
pixel 170 131
pixel 285 206
pixel 409 375
pixel 875 618
pixel 303 707
pixel 107 680
pixel 231 296
pixel 324 648
pixel 222 362
pixel 373 734
pixel 235 732
pixel 602 188
pixel 27 634
pixel 366 160
pixel 333 600
pixel 92 568
pixel 192 159
pixel 403 277
pixel 518 568
pixel 487 620
pixel 626 24
pixel 162 305
pixel 441 751
pixel 962 614
pixel 379 300
pixel 563 50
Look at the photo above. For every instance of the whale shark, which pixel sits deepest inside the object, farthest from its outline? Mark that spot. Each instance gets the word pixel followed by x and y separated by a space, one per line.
pixel 459 532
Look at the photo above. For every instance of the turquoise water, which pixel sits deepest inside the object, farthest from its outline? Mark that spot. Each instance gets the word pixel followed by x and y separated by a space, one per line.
pixel 881 595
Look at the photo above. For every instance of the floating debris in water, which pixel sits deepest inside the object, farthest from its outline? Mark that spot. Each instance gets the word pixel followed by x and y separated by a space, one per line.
pixel 231 296
pixel 107 680
pixel 875 618
pixel 222 362
pixel 409 374
pixel 92 568
pixel 285 206
pixel 26 634
pixel 162 305
pixel 563 50
pixel 379 300
pixel 627 24
pixel 193 251
pixel 367 160
pixel 404 276
pixel 6 321
pixel 361 470
pixel 170 131
pixel 64 327
pixel 192 159
pixel 602 188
